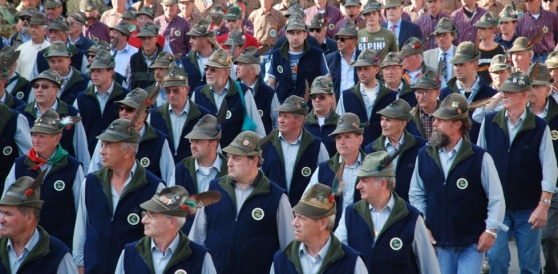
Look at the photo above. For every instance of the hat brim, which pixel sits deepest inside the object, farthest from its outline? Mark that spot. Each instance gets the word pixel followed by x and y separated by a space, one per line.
pixel 395 115
pixel 510 87
pixel 174 83
pixel 144 13
pixel 385 172
pixel 201 136
pixel 306 209
pixel 295 27
pixel 154 206
pixel 216 65
pixel 391 63
pixel 484 25
pixel 145 34
pixel 343 32
pixel 364 63
pixel 391 5
pixel 320 91
pixel 543 83
pixel 246 60
pixel 550 64
pixel 506 19
pixel 461 59
pixel 498 67
pixel 159 64
pixel 359 131
pixel 237 151
pixel 125 32
pixel 13 201
pixel 97 65
pixel 192 32
pixel 115 137
pixel 44 78
pixel 47 130
pixel 422 85
pixel 128 102
pixel 519 48
pixel 442 113
pixel 283 108
pixel 57 54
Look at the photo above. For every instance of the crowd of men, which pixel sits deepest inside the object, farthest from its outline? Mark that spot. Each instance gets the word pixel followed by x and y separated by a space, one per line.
pixel 183 136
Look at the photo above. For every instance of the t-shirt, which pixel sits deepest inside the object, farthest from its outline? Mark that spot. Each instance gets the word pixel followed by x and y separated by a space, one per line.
pixel 484 62
pixel 294 57
pixel 377 41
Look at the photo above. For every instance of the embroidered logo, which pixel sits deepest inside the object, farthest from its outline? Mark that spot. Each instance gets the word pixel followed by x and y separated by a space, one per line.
pixel 258 214
pixel 462 183
pixel 133 219
pixel 59 185
pixel 395 243
pixel 306 171
pixel 229 114
pixel 19 95
pixel 145 162
pixel 7 150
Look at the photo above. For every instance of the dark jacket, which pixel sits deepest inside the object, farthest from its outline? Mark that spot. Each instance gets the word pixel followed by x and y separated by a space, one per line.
pixel 333 60
pixel 408 30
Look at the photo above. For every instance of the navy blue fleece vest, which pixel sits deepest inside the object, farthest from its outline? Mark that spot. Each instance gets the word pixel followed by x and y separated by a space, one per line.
pixel 323 132
pixel 106 233
pixel 183 177
pixel 233 125
pixel 152 149
pixel 58 225
pixel 346 264
pixel 21 89
pixel 42 63
pixel 353 104
pixel 69 94
pixel 142 75
pixel 386 259
pixel 308 70
pixel 8 146
pixel 193 264
pixel 455 216
pixel 195 78
pixel 274 168
pixel 263 98
pixel 410 98
pixel 239 243
pixel 94 121
pixel 518 165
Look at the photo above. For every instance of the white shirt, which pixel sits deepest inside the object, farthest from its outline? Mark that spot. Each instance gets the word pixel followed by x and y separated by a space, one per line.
pixel 26 61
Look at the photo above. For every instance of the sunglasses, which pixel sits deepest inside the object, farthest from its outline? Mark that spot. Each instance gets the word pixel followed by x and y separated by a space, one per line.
pixel 172 90
pixel 316 30
pixel 44 86
pixel 343 39
pixel 28 19
pixel 211 69
pixel 320 96
pixel 551 1
pixel 126 108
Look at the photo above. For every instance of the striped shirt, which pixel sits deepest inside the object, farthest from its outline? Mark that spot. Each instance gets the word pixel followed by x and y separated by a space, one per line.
pixel 494 7
pixel 342 23
pixel 332 13
pixel 175 33
pixel 267 25
pixel 464 25
pixel 158 8
pixel 528 26
pixel 415 15
pixel 449 6
pixel 111 18
pixel 519 5
pixel 194 18
pixel 247 26
pixel 97 29
pixel 427 24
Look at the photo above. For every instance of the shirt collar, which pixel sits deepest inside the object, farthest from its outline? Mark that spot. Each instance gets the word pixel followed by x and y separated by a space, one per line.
pixel 185 110
pixel 3 98
pixel 172 247
pixel 398 23
pixel 54 106
pixel 475 86
pixel 358 161
pixel 109 91
pixel 297 141
pixel 389 206
pixel 521 118
pixel 30 244
pixel 321 254
pixel 216 164
pixel 388 143
pixel 225 89
pixel 448 52
pixel 456 148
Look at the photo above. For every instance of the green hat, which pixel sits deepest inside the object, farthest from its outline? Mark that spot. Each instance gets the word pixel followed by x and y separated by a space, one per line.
pixel 428 80
pixel 169 2
pixel 321 85
pixel 318 22
pixel 465 52
pixel 351 3
pixel 169 201
pixel 374 165
pixel 217 14
pixel 201 28
pixel 59 23
pixel 163 60
pixel 393 3
pixel 23 193
pixel 8 52
pixel 317 203
pixel 371 6
pixel 130 14
pixel 146 11
pixel 149 30
pixel 453 107
pixel 521 44
pixel 295 22
pixel 543 78
pixel 349 29
pixel 207 128
pixel 411 47
pixel 249 55
pixel 134 98
pixel 368 57
pixel 48 123
pixel 499 62
pixel 507 14
pixel 398 109
pixel 488 20
pixel 293 104
pixel 391 59
pixel 294 9
pixel 90 7
pixel 79 17
pixel 38 19
pixel 57 49
pixel 51 4
pixel 348 123
pixel 99 45
pixel 517 82
pixel 245 144
pixel 235 38
pixel 50 75
pixel 552 60
pixel 123 27
pixel 219 59
pixel 28 12
pixel 233 13
pixel 119 131
pixel 175 77
pixel 102 60
pixel 445 25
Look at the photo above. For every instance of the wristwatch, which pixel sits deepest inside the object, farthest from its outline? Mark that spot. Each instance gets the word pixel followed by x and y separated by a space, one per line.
pixel 493 234
pixel 546 201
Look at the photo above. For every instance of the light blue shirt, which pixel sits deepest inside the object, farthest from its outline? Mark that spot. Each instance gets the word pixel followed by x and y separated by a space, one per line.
pixel 177 121
pixel 474 90
pixel 11 86
pixel 347 73
pixel 449 66
pixel 122 58
pixel 103 98
pixel 368 96
pixel 203 174
pixel 489 179
pixel 391 149
pixel 397 27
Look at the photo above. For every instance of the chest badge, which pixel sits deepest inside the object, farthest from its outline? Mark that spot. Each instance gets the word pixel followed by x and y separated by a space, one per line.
pixel 258 214
pixel 177 33
pixel 19 95
pixel 306 171
pixel 145 162
pixel 280 69
pixel 7 150
pixel 133 219
pixel 59 185
pixel 554 135
pixel 462 183
pixel 396 243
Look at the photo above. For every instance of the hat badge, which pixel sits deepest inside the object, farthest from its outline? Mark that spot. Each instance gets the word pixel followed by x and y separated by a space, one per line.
pixel 355 125
pixel 168 200
pixel 246 142
pixel 454 104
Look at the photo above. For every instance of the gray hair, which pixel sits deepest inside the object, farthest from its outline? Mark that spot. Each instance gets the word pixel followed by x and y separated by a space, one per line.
pixel 390 181
pixel 134 146
pixel 257 68
pixel 180 221
pixel 330 222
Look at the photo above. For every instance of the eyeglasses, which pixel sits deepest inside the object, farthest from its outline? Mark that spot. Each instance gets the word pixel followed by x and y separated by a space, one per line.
pixel 318 96
pixel 126 108
pixel 28 19
pixel 173 90
pixel 422 92
pixel 316 30
pixel 210 69
pixel 44 86
pixel 91 56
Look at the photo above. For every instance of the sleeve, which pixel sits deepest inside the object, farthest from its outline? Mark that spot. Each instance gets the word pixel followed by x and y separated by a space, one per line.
pixel 10 179
pixel 172 179
pixel 84 63
pixel 284 222
pixel 323 155
pixel 249 28
pixel 76 188
pixel 313 180
pixel 548 161
pixel 79 230
pixel 274 114
pixel 166 46
pixel 360 267
pixel 493 189
pixel 324 69
pixel 80 145
pixel 341 231
pixel 340 105
pixel 95 163
pixel 481 141
pixel 166 163
pixel 270 69
pixel 208 266
pixel 417 193
pixel 394 44
pixel 120 265
pixel 199 227
pixel 424 251
pixel 22 135
pixel 252 110
pixel 67 266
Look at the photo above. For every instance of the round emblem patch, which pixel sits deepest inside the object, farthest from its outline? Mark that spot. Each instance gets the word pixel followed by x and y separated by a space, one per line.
pixel 258 214
pixel 260 112
pixel 280 69
pixel 306 171
pixel 181 271
pixel 59 185
pixel 133 219
pixel 462 183
pixel 545 29
pixel 331 26
pixel 554 135
pixel 145 162
pixel 7 150
pixel 272 33
pixel 395 243
pixel 229 114
pixel 177 33
pixel 19 95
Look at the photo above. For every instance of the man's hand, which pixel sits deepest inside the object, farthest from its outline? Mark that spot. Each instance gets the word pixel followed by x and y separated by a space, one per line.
pixel 432 241
pixel 486 241
pixel 81 269
pixel 539 216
